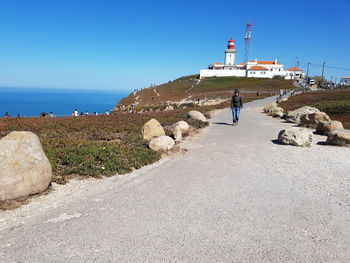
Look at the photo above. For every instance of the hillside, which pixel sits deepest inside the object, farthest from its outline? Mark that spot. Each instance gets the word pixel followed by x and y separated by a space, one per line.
pixel 190 90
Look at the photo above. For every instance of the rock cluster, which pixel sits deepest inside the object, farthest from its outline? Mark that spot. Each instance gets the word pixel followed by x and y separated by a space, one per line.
pixel 309 117
pixel 25 169
pixel 273 110
pixel 153 132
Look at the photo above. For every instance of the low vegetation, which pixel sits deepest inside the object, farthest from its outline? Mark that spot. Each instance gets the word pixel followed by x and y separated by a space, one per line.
pixel 336 103
pixel 96 145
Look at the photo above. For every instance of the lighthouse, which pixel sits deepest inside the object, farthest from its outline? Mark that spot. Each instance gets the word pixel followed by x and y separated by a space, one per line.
pixel 230 53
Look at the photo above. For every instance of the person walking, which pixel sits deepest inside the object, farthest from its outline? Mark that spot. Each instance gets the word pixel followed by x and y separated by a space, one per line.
pixel 236 105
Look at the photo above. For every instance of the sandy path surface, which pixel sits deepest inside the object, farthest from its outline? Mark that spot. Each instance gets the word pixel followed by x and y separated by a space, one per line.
pixel 234 196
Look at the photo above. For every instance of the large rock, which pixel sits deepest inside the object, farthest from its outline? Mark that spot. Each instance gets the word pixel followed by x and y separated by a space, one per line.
pixel 196 115
pixel 24 167
pixel 295 136
pixel 326 127
pixel 276 112
pixel 339 137
pixel 268 108
pixel 183 126
pixel 294 116
pixel 162 143
pixel 314 118
pixel 152 129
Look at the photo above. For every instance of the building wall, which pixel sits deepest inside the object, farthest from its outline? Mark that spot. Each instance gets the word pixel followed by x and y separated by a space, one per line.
pixel 264 73
pixel 290 74
pixel 345 81
pixel 206 73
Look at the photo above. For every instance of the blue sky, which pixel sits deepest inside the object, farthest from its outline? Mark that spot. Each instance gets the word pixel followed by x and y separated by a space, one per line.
pixel 122 45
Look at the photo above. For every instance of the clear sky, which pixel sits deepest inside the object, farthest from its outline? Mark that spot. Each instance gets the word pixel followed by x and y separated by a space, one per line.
pixel 122 45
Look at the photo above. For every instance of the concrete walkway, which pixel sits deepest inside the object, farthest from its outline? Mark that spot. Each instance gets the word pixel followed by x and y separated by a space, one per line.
pixel 234 196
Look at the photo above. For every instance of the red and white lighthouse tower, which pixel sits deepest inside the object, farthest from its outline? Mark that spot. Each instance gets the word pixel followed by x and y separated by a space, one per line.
pixel 230 53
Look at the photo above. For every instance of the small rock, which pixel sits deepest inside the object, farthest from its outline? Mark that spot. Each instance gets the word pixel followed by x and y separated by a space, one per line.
pixel 196 115
pixel 295 136
pixel 169 108
pixel 152 129
pixel 326 127
pixel 339 137
pixel 25 169
pixel 162 143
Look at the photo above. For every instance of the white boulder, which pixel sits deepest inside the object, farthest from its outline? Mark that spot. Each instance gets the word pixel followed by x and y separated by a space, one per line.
pixel 295 136
pixel 196 115
pixel 24 167
pixel 162 143
pixel 183 126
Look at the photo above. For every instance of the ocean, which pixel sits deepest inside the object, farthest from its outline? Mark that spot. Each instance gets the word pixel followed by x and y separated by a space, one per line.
pixel 29 102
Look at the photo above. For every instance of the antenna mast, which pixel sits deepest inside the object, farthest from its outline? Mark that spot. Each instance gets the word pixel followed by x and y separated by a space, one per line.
pixel 248 34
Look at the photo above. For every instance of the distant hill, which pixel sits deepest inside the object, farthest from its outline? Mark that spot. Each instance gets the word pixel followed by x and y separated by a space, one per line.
pixel 190 89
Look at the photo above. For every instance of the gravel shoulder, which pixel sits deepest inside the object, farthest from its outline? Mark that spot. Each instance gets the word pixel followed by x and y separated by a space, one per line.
pixel 234 196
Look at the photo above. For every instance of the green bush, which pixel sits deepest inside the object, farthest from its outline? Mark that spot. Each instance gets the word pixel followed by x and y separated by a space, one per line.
pixel 334 107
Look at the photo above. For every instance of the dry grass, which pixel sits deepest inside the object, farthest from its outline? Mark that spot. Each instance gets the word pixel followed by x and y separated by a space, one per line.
pixel 96 145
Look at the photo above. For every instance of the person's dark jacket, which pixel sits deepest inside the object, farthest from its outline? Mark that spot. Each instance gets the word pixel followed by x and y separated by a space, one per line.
pixel 236 101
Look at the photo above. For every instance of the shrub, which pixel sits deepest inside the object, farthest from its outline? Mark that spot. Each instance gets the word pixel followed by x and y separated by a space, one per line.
pixel 334 107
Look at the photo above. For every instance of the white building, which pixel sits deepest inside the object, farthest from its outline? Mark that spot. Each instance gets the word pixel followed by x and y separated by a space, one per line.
pixel 252 69
pixel 345 81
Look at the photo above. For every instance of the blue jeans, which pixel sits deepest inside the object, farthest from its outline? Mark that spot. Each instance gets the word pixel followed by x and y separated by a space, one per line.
pixel 235 114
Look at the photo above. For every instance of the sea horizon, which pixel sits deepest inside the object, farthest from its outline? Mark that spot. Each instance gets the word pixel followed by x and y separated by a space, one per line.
pixel 31 101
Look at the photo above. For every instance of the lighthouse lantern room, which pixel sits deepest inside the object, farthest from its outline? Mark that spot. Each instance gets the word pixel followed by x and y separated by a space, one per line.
pixel 230 53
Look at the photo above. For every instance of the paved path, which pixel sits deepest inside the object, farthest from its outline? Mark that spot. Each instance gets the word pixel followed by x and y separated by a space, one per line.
pixel 234 196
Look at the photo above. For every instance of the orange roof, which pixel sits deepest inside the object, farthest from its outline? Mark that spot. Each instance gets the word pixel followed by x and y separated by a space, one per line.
pixel 265 62
pixel 346 78
pixel 217 63
pixel 243 63
pixel 257 68
pixel 294 69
